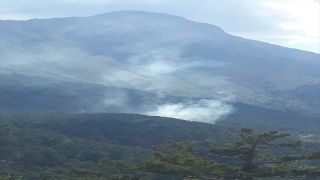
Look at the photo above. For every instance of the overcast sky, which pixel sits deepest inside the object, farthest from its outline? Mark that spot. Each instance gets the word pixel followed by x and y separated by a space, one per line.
pixel 289 23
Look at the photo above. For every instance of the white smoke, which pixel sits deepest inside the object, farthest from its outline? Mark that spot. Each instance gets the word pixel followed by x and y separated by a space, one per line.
pixel 208 111
pixel 153 67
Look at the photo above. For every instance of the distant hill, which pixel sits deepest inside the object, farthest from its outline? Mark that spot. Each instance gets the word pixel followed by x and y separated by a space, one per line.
pixel 106 62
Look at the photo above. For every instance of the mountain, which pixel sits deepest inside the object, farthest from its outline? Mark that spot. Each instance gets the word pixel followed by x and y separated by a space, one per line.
pixel 149 63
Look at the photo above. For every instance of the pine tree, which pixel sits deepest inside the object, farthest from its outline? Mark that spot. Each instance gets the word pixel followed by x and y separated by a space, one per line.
pixel 255 163
pixel 244 159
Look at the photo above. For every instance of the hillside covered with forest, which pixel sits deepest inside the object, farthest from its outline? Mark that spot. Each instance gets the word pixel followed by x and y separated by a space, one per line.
pixel 47 146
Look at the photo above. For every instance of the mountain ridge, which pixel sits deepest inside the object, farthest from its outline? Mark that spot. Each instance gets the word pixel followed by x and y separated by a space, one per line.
pixel 176 57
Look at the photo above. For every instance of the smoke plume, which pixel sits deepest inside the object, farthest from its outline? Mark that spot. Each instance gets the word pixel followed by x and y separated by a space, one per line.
pixel 208 111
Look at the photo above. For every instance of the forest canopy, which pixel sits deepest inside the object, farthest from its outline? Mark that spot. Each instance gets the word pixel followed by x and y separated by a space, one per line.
pixel 51 146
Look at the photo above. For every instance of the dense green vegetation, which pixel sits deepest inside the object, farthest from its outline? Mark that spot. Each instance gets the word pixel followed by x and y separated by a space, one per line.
pixel 47 146
pixel 41 153
pixel 248 155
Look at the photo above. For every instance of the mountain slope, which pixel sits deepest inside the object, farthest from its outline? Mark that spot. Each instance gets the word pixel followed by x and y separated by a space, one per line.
pixel 160 54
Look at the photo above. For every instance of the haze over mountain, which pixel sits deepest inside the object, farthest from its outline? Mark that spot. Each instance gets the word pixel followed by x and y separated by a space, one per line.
pixel 149 63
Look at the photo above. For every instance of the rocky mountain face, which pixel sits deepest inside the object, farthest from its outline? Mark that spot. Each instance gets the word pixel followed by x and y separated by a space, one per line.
pixel 131 61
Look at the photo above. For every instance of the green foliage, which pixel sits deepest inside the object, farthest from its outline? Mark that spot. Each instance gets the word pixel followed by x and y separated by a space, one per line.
pixel 11 176
pixel 52 146
pixel 87 173
pixel 118 164
pixel 178 159
pixel 39 153
pixel 249 150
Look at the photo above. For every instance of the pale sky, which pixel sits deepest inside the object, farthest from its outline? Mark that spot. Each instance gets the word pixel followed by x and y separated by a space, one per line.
pixel 289 23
